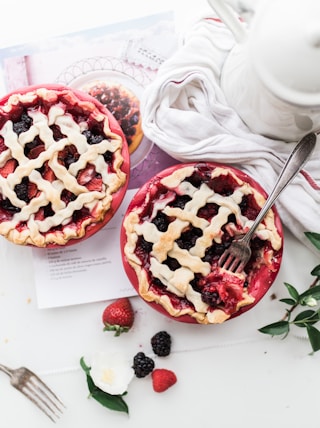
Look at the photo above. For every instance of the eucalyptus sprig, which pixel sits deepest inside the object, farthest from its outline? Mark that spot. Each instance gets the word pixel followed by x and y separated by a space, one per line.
pixel 306 300
pixel 113 402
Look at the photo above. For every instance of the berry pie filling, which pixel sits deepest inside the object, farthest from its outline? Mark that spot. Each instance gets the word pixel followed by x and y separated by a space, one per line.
pixel 176 234
pixel 123 104
pixel 60 166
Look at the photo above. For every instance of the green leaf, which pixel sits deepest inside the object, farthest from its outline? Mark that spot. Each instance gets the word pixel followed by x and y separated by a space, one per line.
pixel 305 318
pixel 288 301
pixel 316 271
pixel 276 329
pixel 314 238
pixel 112 402
pixel 314 337
pixel 83 365
pixel 118 329
pixel 292 291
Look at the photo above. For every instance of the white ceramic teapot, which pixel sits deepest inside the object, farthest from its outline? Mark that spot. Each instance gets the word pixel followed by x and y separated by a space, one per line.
pixel 272 75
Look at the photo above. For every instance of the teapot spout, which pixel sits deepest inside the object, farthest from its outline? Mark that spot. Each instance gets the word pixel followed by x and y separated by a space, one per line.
pixel 229 17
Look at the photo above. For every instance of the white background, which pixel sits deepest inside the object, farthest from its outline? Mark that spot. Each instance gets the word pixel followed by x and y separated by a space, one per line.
pixel 228 375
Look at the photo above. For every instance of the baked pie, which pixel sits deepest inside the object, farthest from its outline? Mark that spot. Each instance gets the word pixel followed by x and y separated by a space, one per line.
pixel 64 166
pixel 123 104
pixel 177 226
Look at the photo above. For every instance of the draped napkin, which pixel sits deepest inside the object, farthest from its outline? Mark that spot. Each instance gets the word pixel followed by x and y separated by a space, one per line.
pixel 186 114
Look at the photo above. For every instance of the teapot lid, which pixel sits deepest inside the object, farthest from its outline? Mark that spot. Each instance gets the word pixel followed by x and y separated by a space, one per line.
pixel 284 44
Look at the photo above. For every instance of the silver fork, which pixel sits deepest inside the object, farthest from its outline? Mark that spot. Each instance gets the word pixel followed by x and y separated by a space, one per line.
pixel 237 255
pixel 25 381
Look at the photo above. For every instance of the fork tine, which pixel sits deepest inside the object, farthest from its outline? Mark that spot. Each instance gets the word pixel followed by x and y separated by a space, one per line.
pixel 29 384
pixel 235 264
pixel 232 263
pixel 41 395
pixel 38 401
pixel 240 267
pixel 227 260
pixel 48 393
pixel 224 259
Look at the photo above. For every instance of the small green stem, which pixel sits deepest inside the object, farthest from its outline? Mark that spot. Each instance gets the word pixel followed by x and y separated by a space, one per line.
pixel 289 312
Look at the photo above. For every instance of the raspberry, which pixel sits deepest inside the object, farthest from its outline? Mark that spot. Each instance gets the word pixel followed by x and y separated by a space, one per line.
pixel 161 343
pixel 142 365
pixel 162 379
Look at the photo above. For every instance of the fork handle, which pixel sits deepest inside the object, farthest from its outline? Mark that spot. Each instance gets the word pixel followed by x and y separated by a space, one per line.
pixel 6 370
pixel 293 165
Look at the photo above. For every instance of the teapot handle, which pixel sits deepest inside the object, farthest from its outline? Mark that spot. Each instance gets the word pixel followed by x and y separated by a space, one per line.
pixel 229 18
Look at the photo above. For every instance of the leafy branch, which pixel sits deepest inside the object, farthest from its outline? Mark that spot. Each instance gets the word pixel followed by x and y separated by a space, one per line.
pixel 308 299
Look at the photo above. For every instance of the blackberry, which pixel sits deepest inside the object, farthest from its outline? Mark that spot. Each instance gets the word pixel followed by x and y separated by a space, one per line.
pixel 145 245
pixel 195 179
pixel 172 263
pixel 189 237
pixel 48 211
pixel 23 124
pixel 108 156
pixel 161 343
pixel 213 252
pixel 21 189
pixel 212 298
pixel 180 201
pixel 142 365
pixel 92 138
pixel 134 119
pixel 161 221
pixel 6 205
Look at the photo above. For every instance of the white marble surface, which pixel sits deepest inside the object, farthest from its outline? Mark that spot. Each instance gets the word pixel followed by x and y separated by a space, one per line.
pixel 228 375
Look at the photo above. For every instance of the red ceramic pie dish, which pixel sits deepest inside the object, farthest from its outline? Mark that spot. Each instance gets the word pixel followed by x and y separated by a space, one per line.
pixel 64 166
pixel 177 226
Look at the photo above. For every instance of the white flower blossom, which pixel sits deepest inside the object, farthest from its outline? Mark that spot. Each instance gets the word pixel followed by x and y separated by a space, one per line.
pixel 111 372
pixel 311 301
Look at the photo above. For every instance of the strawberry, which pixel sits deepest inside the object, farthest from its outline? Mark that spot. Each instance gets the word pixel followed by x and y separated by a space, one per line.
pixel 32 190
pixel 95 184
pixel 48 174
pixel 118 316
pixel 35 151
pixel 8 168
pixel 86 175
pixel 162 379
pixel 3 146
pixel 39 215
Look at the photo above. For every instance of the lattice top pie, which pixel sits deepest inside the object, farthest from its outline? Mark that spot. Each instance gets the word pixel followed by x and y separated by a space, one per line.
pixel 63 166
pixel 178 225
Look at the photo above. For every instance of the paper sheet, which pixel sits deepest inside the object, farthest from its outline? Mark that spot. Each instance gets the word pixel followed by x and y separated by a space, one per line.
pixel 85 272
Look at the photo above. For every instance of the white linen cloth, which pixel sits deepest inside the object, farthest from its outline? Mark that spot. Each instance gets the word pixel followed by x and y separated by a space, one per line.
pixel 185 113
